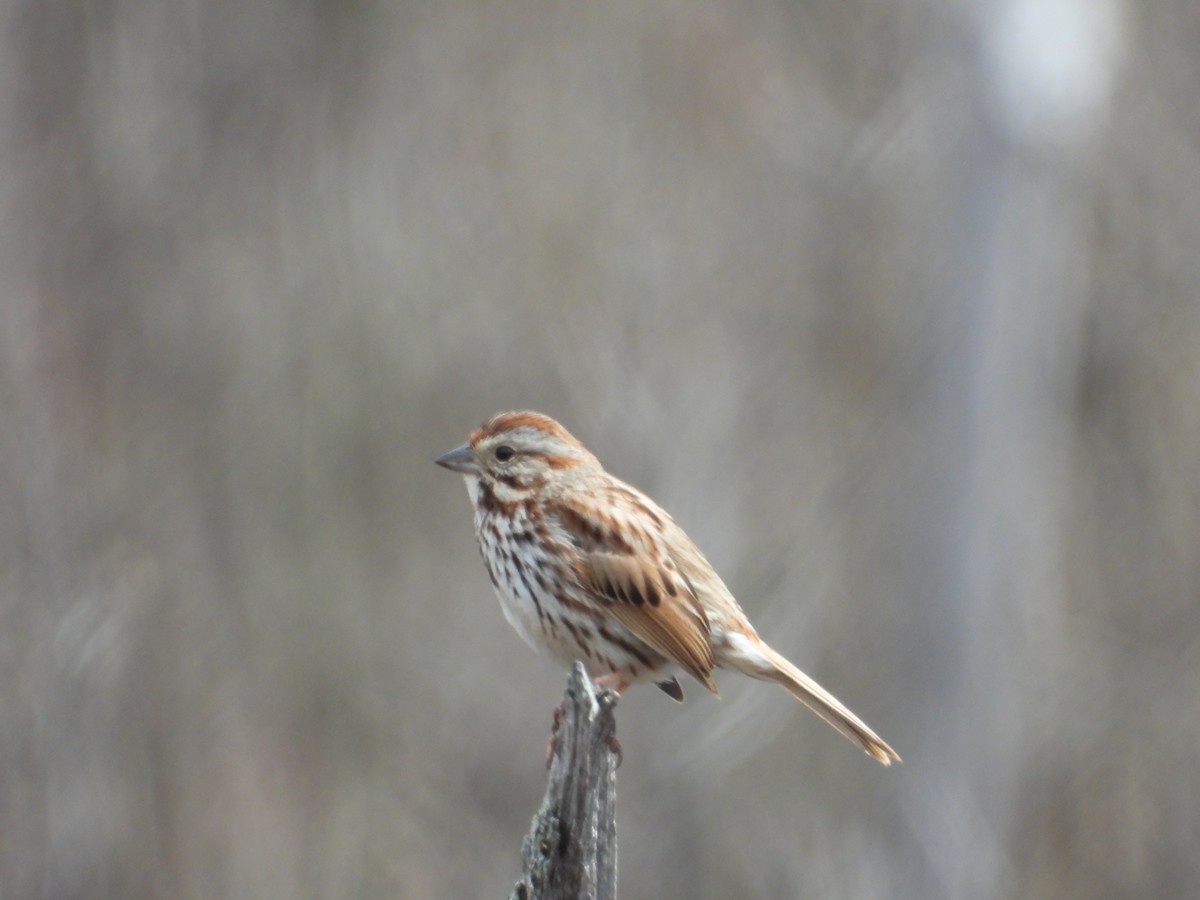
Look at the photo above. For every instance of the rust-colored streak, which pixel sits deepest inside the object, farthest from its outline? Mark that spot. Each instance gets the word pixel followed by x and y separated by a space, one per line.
pixel 507 421
pixel 561 462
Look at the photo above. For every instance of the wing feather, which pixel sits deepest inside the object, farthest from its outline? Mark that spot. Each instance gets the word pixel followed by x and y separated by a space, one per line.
pixel 628 569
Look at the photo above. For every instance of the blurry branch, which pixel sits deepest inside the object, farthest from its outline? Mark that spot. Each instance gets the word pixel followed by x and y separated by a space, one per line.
pixel 571 848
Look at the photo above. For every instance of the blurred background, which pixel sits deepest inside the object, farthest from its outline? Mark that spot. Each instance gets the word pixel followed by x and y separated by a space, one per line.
pixel 892 303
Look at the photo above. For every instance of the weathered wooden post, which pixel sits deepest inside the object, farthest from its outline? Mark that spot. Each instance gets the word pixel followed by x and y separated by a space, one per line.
pixel 570 852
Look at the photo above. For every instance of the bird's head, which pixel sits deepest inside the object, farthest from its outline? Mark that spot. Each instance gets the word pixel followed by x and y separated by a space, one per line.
pixel 517 451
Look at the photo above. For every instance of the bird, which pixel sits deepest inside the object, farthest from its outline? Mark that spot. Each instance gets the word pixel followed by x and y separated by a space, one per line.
pixel 589 568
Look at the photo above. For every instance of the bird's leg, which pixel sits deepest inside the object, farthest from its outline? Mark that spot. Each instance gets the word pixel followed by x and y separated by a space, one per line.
pixel 612 681
pixel 615 682
pixel 609 682
pixel 560 712
pixel 615 746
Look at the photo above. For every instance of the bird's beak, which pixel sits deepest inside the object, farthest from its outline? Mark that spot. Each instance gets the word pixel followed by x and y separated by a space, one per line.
pixel 460 459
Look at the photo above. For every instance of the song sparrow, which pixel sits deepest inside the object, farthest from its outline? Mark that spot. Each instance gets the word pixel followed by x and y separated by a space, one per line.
pixel 589 568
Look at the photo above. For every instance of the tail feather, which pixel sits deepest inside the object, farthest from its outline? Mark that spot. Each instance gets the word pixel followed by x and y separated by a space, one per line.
pixel 775 667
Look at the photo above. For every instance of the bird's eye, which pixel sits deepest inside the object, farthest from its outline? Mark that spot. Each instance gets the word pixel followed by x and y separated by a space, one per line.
pixel 504 453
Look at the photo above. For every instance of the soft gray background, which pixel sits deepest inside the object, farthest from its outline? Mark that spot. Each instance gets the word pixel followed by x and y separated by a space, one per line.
pixel 893 304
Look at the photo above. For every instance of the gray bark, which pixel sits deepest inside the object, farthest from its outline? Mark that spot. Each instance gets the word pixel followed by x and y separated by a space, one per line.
pixel 571 848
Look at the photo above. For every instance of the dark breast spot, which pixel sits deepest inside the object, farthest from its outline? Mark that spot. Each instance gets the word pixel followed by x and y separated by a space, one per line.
pixel 525 581
pixel 488 501
pixel 569 602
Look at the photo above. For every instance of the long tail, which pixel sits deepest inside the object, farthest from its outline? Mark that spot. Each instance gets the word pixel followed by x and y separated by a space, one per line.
pixel 773 666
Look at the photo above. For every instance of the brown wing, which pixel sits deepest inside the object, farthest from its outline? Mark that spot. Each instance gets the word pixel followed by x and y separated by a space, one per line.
pixel 625 565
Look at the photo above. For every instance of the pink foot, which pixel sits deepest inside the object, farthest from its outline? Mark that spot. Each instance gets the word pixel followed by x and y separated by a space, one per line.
pixel 611 682
pixel 556 723
pixel 615 746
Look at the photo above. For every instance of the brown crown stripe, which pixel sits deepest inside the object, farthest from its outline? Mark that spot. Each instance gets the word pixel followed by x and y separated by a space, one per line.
pixel 507 421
